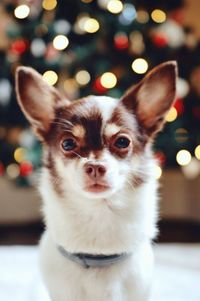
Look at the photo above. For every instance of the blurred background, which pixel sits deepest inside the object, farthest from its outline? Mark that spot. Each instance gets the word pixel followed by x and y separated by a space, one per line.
pixel 100 47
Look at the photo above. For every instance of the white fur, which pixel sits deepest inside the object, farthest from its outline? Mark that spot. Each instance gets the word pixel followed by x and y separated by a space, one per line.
pixel 122 219
pixel 111 129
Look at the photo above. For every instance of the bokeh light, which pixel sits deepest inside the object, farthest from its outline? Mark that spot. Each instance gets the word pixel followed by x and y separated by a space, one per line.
pixel 171 115
pixel 49 4
pixel 128 14
pixel 82 77
pixel 158 172
pixel 140 66
pixel 142 16
pixel 20 154
pixel 183 157
pixel 91 25
pixel 192 170
pixel 50 77
pixel 181 135
pixel 115 6
pixel 158 16
pixel 13 171
pixel 38 47
pixel 197 152
pixel 60 42
pixel 22 11
pixel 108 80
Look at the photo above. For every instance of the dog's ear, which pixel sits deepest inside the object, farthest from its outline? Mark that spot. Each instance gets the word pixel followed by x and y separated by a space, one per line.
pixel 152 97
pixel 36 98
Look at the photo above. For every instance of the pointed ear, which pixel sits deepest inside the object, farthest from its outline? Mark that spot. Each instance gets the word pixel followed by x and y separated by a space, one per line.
pixel 36 98
pixel 151 98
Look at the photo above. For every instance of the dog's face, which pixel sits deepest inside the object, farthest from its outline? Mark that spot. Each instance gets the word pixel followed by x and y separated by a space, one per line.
pixel 96 146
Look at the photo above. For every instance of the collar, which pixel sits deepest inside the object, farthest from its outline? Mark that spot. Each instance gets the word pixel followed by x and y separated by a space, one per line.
pixel 93 261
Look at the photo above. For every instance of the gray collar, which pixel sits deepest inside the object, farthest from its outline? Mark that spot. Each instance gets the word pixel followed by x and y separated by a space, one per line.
pixel 93 261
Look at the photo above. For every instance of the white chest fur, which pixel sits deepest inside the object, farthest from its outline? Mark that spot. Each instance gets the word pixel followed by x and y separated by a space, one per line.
pixel 125 223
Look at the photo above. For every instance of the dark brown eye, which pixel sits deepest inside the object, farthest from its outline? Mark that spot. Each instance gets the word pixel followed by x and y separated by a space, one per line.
pixel 69 144
pixel 122 142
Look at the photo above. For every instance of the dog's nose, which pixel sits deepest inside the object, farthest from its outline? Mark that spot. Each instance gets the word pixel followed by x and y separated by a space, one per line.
pixel 95 171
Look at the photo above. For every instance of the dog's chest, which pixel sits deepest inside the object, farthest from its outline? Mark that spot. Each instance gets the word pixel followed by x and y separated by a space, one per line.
pixel 120 282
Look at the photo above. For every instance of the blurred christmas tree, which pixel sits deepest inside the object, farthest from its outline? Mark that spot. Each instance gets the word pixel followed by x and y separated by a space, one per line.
pixel 97 47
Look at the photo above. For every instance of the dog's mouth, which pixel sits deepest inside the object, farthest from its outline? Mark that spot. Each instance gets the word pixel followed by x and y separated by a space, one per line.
pixel 97 188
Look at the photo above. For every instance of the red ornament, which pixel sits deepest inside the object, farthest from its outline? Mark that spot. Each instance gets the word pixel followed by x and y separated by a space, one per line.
pixel 178 15
pixel 160 40
pixel 1 169
pixel 160 156
pixel 97 86
pixel 179 106
pixel 19 46
pixel 26 168
pixel 121 41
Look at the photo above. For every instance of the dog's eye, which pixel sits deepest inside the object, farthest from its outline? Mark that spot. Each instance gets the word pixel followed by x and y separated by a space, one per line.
pixel 69 144
pixel 122 142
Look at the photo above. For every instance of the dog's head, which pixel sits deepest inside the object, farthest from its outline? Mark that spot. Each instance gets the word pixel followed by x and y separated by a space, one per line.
pixel 96 145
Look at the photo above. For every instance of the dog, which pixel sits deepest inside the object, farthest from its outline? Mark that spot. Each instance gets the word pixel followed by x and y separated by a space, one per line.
pixel 98 186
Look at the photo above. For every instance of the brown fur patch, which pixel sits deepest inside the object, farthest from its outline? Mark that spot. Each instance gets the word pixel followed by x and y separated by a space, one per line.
pixel 82 113
pixel 138 181
pixel 79 114
pixel 128 123
pixel 48 162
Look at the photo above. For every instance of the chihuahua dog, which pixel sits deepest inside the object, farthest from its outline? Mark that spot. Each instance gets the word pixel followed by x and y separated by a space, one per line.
pixel 98 185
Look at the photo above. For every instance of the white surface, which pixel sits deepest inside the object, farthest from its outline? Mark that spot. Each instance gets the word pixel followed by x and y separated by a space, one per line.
pixel 177 274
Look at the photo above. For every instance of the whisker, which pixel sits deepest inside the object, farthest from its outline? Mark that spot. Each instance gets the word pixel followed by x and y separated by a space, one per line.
pixel 65 130
pixel 79 156
pixel 65 121
pixel 60 123
pixel 131 185
pixel 56 122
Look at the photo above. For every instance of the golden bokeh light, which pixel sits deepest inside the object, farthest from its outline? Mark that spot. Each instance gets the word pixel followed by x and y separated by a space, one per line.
pixel 158 16
pixel 115 6
pixel 50 77
pixel 91 25
pixel 20 154
pixel 171 115
pixel 108 80
pixel 49 4
pixel 197 152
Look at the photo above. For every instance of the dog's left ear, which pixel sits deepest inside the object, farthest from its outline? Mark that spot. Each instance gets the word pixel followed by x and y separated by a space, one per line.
pixel 152 97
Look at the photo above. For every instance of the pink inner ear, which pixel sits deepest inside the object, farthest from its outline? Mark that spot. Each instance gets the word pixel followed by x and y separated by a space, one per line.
pixel 151 99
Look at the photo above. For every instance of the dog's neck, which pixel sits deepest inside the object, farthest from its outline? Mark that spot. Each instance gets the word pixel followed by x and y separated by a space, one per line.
pixel 93 260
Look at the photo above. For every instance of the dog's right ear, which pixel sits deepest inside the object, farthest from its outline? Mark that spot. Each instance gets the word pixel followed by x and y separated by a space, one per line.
pixel 37 99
